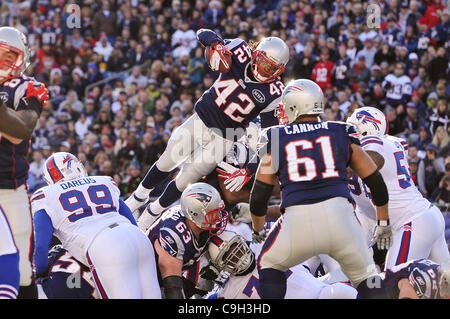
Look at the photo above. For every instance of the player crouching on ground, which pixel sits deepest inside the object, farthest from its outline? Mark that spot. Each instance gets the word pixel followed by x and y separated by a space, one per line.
pixel 180 236
pixel 96 227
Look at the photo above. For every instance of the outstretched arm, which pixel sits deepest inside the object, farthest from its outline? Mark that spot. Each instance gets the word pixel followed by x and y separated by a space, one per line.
pixel 17 124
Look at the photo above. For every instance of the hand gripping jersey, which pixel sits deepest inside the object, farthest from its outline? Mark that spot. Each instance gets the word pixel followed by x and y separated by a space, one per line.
pixel 174 235
pixel 405 200
pixel 67 278
pixel 13 163
pixel 313 157
pixel 79 210
pixel 234 99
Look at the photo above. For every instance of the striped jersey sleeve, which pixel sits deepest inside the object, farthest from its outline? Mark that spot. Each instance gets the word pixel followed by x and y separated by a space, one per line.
pixel 372 143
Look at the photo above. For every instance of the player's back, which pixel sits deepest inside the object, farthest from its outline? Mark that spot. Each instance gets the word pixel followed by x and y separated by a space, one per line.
pixel 405 200
pixel 80 209
pixel 313 157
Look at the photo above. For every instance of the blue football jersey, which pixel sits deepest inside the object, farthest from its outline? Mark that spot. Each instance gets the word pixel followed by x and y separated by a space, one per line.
pixel 13 163
pixel 235 99
pixel 311 159
pixel 414 270
pixel 174 235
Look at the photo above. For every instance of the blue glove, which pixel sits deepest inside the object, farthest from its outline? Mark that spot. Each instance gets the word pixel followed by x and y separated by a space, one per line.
pixel 206 37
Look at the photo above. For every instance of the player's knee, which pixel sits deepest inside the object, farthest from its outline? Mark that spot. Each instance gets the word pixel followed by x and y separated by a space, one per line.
pixel 9 274
pixel 187 177
pixel 272 283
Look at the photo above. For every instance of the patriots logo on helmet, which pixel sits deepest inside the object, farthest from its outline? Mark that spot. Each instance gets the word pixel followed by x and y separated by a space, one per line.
pixel 201 197
pixel 366 117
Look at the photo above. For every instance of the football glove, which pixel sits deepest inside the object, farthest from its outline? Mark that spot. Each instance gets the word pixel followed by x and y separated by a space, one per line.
pixel 218 53
pixel 259 237
pixel 40 93
pixel 383 237
pixel 235 178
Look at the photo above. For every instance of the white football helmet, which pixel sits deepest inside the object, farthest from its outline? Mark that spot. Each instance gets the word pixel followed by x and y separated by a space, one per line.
pixel 62 166
pixel 369 121
pixel 269 59
pixel 14 53
pixel 229 252
pixel 201 203
pixel 300 97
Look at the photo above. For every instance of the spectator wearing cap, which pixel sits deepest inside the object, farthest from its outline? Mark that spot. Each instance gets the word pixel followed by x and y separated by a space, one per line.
pixel 430 171
pixel 196 66
pixel 432 100
pixel 424 140
pixel 103 47
pixel 72 99
pixel 93 74
pixel 213 15
pixel 410 40
pixel 82 125
pixel 442 28
pixel 64 147
pixel 359 73
pixel 59 135
pixel 412 122
pixel 395 123
pixel 390 31
pixel 413 14
pixel 323 70
pixel 121 102
pixel 335 26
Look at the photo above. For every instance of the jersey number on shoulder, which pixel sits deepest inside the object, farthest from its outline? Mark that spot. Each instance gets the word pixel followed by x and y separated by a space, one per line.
pixel 99 196
pixel 404 177
pixel 308 163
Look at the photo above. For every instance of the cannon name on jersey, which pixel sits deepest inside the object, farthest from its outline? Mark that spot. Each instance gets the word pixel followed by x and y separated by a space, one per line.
pixel 311 159
pixel 13 162
pixel 234 99
pixel 79 210
pixel 175 237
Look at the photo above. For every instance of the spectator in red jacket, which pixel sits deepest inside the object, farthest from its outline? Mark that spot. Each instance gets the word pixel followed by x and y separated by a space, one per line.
pixel 323 70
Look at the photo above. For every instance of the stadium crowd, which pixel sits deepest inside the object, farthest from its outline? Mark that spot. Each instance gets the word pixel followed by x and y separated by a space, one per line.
pixel 120 126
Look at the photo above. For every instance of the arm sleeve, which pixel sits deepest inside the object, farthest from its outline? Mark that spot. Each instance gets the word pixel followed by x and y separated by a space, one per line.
pixel 206 37
pixel 43 235
pixel 125 211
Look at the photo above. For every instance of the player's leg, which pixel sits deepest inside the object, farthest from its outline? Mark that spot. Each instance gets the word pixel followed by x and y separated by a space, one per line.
pixel 299 224
pixel 148 272
pixel 115 271
pixel 179 147
pixel 9 261
pixel 338 291
pixel 349 247
pixel 439 250
pixel 202 162
pixel 16 206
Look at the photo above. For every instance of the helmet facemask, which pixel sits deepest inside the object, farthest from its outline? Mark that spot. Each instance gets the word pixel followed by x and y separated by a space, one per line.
pixel 215 220
pixel 235 257
pixel 264 68
pixel 11 61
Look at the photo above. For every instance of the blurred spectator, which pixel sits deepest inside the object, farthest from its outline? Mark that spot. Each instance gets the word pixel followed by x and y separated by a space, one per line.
pixel 359 73
pixel 36 177
pixel 398 86
pixel 430 170
pixel 438 66
pixel 322 72
pixel 105 20
pixel 440 116
pixel 440 139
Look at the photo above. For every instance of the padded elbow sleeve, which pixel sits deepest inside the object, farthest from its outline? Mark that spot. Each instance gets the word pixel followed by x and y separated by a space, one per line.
pixel 378 188
pixel 259 197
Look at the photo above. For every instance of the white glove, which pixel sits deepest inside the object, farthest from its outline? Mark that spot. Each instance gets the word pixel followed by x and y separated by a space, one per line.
pixel 259 237
pixel 241 213
pixel 235 178
pixel 218 55
pixel 383 237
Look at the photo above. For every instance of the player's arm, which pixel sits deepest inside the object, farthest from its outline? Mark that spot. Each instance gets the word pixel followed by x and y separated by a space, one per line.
pixel 377 158
pixel 19 125
pixel 364 166
pixel 125 211
pixel 43 229
pixel 406 291
pixel 262 191
pixel 170 268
